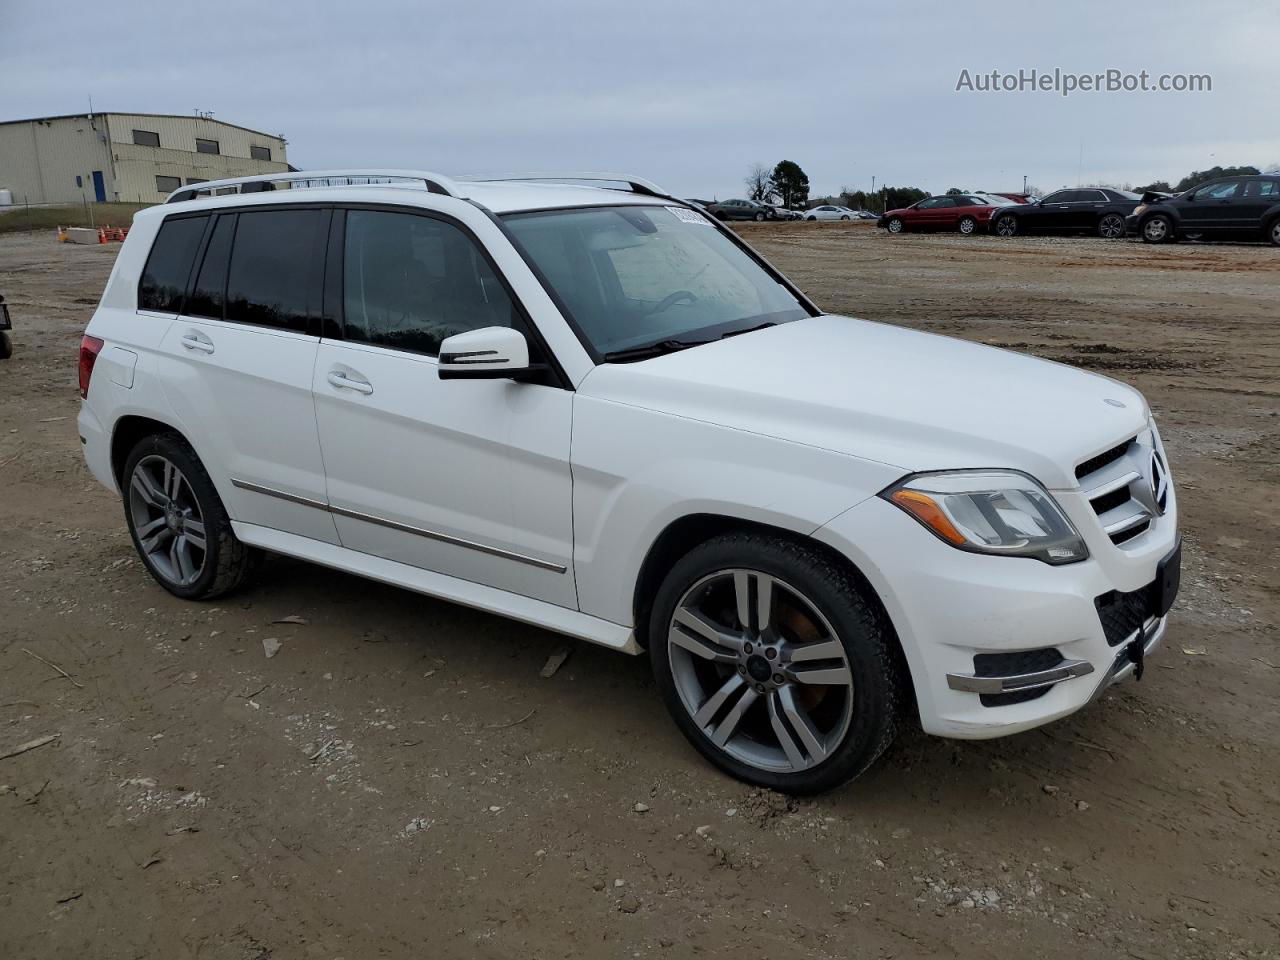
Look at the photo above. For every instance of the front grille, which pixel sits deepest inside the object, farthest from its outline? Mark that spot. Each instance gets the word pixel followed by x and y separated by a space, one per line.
pixel 1094 464
pixel 1012 665
pixel 1123 613
pixel 1110 480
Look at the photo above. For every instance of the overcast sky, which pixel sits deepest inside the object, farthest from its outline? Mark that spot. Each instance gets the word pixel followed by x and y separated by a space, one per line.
pixel 685 93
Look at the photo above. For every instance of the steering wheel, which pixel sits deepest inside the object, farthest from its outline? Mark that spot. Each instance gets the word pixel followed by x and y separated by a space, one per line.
pixel 670 300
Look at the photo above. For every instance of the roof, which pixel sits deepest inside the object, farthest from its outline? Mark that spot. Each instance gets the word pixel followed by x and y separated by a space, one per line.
pixel 128 113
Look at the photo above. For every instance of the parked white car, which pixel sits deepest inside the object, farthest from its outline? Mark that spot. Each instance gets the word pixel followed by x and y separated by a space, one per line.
pixel 593 409
pixel 830 212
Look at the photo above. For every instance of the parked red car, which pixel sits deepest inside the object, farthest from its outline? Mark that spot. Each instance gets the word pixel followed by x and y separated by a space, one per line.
pixel 960 212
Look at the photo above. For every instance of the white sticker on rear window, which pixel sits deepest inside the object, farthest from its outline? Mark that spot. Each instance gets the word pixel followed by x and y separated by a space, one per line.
pixel 689 216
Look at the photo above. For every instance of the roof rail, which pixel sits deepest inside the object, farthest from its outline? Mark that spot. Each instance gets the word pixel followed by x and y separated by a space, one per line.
pixel 434 182
pixel 636 184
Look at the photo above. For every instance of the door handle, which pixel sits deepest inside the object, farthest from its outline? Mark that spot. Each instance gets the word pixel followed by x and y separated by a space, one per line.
pixel 344 382
pixel 197 341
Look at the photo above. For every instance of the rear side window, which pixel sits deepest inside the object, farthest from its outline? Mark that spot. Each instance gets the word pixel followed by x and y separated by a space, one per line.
pixel 164 279
pixel 411 281
pixel 276 269
pixel 208 292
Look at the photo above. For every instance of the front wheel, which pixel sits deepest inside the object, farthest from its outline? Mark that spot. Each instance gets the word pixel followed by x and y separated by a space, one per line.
pixel 1273 232
pixel 773 664
pixel 844 217
pixel 967 225
pixel 1006 227
pixel 1111 227
pixel 811 219
pixel 1159 229
pixel 895 225
pixel 759 217
pixel 177 521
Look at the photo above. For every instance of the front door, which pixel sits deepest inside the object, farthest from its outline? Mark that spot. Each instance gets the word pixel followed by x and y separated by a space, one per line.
pixel 1054 211
pixel 99 187
pixel 240 358
pixel 1210 207
pixel 468 478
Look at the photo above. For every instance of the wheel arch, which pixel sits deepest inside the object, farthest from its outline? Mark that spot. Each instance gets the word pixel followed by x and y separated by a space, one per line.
pixel 684 533
pixel 126 433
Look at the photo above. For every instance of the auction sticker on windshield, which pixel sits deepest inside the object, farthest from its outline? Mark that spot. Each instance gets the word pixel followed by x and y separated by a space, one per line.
pixel 689 216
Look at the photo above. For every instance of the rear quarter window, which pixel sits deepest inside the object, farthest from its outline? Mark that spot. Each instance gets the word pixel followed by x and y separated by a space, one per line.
pixel 164 279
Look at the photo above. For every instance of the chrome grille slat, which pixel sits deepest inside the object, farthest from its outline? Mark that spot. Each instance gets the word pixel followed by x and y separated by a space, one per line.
pixel 1110 481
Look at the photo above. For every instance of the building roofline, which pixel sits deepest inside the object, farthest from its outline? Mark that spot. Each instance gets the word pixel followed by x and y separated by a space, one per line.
pixel 121 113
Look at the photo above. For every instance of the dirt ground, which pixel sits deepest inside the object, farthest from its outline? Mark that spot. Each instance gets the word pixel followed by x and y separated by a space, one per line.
pixel 399 781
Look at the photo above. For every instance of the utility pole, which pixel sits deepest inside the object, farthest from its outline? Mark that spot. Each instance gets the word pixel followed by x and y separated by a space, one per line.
pixel 1024 184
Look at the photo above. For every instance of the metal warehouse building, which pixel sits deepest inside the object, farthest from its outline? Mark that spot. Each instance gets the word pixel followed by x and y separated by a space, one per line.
pixel 127 157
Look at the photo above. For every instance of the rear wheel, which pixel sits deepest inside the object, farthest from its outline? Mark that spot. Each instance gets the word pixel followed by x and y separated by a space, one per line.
pixel 1158 229
pixel 759 217
pixel 1006 226
pixel 844 217
pixel 895 225
pixel 967 225
pixel 772 663
pixel 178 523
pixel 1111 226
pixel 1273 231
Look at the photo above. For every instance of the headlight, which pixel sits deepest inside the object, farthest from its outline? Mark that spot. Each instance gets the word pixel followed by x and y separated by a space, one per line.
pixel 990 511
pixel 1139 209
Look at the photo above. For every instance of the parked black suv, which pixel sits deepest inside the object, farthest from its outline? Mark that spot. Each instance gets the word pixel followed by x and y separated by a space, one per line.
pixel 1246 208
pixel 1097 210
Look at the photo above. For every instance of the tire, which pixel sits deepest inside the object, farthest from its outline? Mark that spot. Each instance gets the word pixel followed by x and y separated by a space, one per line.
pixel 844 218
pixel 760 217
pixel 1273 231
pixel 968 226
pixel 1005 226
pixel 169 540
pixel 749 697
pixel 895 225
pixel 1157 229
pixel 1111 226
pixel 6 346
pixel 811 219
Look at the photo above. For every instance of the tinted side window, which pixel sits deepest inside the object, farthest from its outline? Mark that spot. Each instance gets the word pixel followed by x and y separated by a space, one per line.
pixel 275 272
pixel 164 279
pixel 411 281
pixel 1062 196
pixel 208 292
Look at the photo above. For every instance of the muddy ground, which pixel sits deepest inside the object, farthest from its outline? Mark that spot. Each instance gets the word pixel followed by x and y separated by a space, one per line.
pixel 399 781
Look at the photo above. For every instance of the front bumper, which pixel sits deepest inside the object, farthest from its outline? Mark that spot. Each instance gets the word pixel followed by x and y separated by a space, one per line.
pixel 955 611
pixel 1131 224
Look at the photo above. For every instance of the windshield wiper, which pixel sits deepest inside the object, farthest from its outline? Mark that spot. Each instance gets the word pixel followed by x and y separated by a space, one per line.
pixel 759 326
pixel 651 350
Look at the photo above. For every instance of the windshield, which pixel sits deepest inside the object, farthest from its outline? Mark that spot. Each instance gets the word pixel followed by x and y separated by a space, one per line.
pixel 632 276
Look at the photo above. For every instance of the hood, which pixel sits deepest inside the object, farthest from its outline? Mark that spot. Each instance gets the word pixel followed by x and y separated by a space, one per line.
pixel 916 401
pixel 1154 196
pixel 899 210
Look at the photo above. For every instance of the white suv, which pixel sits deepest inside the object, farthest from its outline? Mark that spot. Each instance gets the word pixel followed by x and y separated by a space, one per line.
pixel 594 409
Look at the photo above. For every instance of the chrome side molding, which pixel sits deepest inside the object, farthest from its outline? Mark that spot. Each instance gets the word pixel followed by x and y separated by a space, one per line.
pixel 402 527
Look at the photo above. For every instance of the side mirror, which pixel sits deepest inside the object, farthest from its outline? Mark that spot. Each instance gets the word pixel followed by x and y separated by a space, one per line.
pixel 490 353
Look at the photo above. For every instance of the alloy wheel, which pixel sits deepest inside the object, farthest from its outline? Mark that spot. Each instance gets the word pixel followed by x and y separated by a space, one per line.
pixel 1006 227
pixel 167 520
pixel 1275 233
pixel 1111 227
pixel 760 670
pixel 1155 229
pixel 895 225
pixel 968 225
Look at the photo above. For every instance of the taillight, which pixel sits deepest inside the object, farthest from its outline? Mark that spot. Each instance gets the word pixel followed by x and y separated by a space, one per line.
pixel 89 349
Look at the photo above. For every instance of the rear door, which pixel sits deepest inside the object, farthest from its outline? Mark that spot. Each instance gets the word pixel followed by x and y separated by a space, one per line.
pixel 1258 197
pixel 468 478
pixel 241 355
pixel 1086 209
